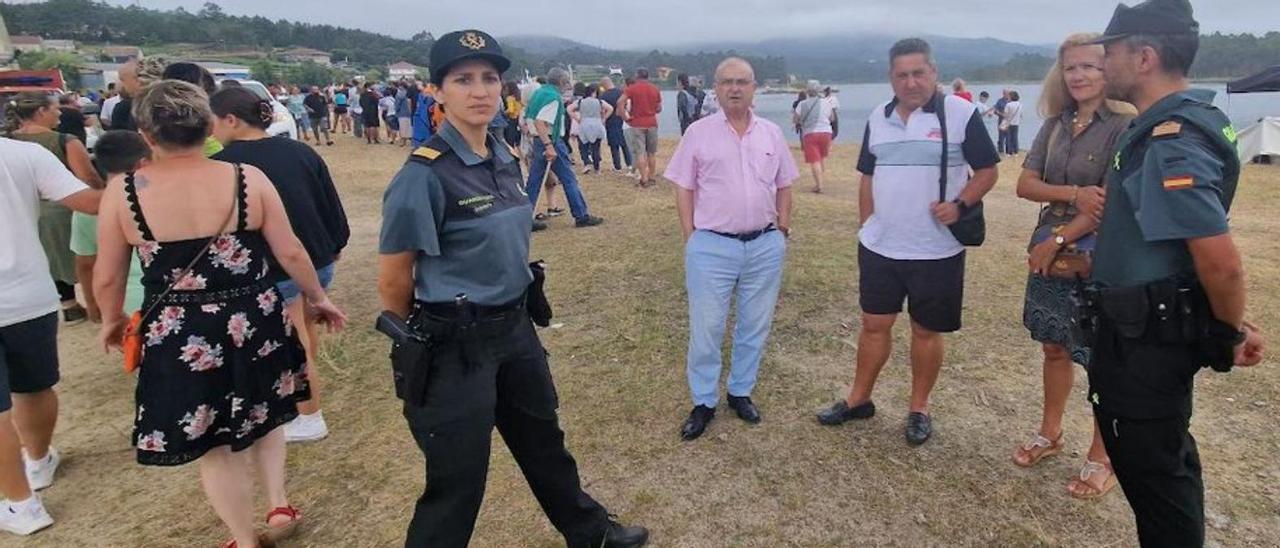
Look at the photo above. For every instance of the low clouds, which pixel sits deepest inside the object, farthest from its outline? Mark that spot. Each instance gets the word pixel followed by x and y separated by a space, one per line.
pixel 660 23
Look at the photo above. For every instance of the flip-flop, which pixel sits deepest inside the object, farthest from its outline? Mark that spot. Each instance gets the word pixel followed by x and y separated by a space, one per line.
pixel 1037 449
pixel 1088 470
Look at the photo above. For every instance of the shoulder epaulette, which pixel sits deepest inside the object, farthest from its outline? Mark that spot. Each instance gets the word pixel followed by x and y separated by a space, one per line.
pixel 427 152
pixel 1172 128
pixel 430 151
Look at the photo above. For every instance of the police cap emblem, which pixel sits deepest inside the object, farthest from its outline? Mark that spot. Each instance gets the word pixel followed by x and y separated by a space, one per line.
pixel 472 40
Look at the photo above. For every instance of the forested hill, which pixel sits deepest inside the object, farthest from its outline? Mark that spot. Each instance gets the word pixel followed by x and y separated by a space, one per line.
pixel 97 22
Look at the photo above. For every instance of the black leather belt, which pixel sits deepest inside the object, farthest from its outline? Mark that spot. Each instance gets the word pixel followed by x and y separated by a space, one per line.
pixel 478 313
pixel 746 236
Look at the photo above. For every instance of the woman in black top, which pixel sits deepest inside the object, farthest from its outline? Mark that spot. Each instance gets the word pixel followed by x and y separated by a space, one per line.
pixel 315 211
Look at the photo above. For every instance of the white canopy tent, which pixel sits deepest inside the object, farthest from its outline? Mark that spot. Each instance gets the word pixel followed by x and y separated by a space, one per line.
pixel 1261 139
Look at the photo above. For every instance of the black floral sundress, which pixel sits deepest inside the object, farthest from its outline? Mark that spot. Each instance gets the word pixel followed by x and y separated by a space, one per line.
pixel 221 364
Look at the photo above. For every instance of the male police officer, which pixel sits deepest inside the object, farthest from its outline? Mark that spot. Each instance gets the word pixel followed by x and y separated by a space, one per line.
pixel 1171 294
pixel 454 249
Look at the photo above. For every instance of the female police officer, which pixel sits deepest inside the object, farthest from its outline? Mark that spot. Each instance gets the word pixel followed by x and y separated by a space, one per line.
pixel 454 248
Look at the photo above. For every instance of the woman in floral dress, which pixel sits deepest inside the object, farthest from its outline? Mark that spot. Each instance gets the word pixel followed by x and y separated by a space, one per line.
pixel 221 368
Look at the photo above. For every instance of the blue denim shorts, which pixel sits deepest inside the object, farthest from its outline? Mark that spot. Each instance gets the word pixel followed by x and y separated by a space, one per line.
pixel 290 290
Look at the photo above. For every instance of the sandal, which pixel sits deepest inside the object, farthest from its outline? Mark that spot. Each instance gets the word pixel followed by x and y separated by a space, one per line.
pixel 1036 450
pixel 280 532
pixel 1087 490
pixel 263 542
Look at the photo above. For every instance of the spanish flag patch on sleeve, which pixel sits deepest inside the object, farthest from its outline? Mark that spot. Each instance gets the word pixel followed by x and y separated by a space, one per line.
pixel 1179 182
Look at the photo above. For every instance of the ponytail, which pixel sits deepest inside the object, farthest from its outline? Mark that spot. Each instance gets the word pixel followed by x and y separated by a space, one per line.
pixel 243 104
pixel 23 107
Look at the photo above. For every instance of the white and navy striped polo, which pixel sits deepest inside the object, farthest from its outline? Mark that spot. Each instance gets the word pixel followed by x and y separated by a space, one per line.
pixel 904 160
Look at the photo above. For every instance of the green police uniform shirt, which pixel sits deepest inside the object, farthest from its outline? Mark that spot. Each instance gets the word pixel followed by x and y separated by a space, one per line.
pixel 467 218
pixel 1171 181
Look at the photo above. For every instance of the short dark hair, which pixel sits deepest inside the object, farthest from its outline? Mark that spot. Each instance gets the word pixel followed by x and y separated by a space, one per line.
pixel 1015 96
pixel 642 74
pixel 911 46
pixel 984 94
pixel 243 104
pixel 191 73
pixel 683 79
pixel 1177 51
pixel 119 151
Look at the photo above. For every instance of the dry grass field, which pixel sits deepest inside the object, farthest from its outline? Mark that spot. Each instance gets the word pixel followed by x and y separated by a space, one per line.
pixel 618 359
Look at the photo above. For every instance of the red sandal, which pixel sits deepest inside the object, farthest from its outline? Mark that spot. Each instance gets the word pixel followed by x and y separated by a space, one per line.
pixel 263 542
pixel 277 533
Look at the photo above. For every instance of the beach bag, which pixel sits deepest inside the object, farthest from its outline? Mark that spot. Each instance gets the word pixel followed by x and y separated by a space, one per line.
pixel 971 228
pixel 132 341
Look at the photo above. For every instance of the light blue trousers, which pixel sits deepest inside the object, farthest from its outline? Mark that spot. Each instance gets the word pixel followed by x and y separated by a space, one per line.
pixel 717 268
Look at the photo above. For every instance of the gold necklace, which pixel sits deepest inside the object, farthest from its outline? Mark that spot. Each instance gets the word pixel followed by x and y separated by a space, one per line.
pixel 1075 121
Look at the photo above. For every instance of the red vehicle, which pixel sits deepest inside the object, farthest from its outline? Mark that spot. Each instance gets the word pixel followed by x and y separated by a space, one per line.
pixel 13 82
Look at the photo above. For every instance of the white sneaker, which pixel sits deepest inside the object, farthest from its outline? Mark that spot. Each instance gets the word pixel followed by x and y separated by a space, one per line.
pixel 40 472
pixel 306 428
pixel 24 518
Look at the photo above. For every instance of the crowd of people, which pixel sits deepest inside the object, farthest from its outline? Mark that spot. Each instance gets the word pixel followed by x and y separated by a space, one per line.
pixel 204 248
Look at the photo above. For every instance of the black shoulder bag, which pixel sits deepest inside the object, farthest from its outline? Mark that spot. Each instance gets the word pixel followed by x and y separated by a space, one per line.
pixel 971 228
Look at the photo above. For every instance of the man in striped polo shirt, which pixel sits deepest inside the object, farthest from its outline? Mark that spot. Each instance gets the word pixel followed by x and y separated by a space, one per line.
pixel 907 251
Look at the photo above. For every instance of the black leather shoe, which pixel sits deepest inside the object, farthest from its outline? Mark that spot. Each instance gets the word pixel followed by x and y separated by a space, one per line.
pixel 622 536
pixel 919 428
pixel 588 221
pixel 840 413
pixel 538 226
pixel 697 422
pixel 746 410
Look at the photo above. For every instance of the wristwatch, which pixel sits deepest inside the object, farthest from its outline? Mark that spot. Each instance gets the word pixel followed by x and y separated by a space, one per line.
pixel 960 204
pixel 1060 240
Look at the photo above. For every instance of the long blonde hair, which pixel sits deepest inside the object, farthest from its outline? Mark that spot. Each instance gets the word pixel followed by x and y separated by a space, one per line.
pixel 1055 96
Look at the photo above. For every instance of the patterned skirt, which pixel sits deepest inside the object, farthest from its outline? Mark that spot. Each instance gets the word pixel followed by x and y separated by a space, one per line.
pixel 218 368
pixel 1048 314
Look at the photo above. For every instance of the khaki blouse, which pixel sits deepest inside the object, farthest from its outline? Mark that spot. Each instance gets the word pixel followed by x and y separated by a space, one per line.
pixel 1081 160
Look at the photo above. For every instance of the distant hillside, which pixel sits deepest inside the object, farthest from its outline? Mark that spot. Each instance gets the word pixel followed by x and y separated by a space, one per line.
pixel 864 57
pixel 545 45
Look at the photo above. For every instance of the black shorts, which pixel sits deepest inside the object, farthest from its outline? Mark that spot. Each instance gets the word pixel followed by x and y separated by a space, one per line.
pixel 28 357
pixel 341 109
pixel 933 289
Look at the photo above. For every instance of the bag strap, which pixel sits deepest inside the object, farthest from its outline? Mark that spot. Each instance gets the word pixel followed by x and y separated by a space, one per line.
pixel 235 206
pixel 941 102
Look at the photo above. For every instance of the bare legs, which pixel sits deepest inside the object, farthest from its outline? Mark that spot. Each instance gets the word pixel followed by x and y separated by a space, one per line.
pixel 304 324
pixel 225 477
pixel 13 475
pixel 1059 375
pixel 875 343
pixel 818 168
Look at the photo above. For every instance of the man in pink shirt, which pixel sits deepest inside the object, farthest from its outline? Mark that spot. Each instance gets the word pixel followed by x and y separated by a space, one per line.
pixel 734 172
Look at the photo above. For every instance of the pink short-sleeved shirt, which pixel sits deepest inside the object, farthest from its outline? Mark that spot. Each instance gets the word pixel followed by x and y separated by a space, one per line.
pixel 735 178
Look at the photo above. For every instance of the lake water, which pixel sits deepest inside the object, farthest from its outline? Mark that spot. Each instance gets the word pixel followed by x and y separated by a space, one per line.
pixel 857 100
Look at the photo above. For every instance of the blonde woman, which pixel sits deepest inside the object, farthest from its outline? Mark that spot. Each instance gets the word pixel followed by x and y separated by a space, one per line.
pixel 221 369
pixel 1066 170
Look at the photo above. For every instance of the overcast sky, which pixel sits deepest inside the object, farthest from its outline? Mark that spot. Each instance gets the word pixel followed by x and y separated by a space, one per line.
pixel 655 23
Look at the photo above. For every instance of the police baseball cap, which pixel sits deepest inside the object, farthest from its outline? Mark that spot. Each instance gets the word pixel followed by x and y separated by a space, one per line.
pixel 1152 17
pixel 465 45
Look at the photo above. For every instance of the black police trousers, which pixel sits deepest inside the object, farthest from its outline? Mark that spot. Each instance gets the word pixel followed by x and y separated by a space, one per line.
pixel 1151 449
pixel 494 374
